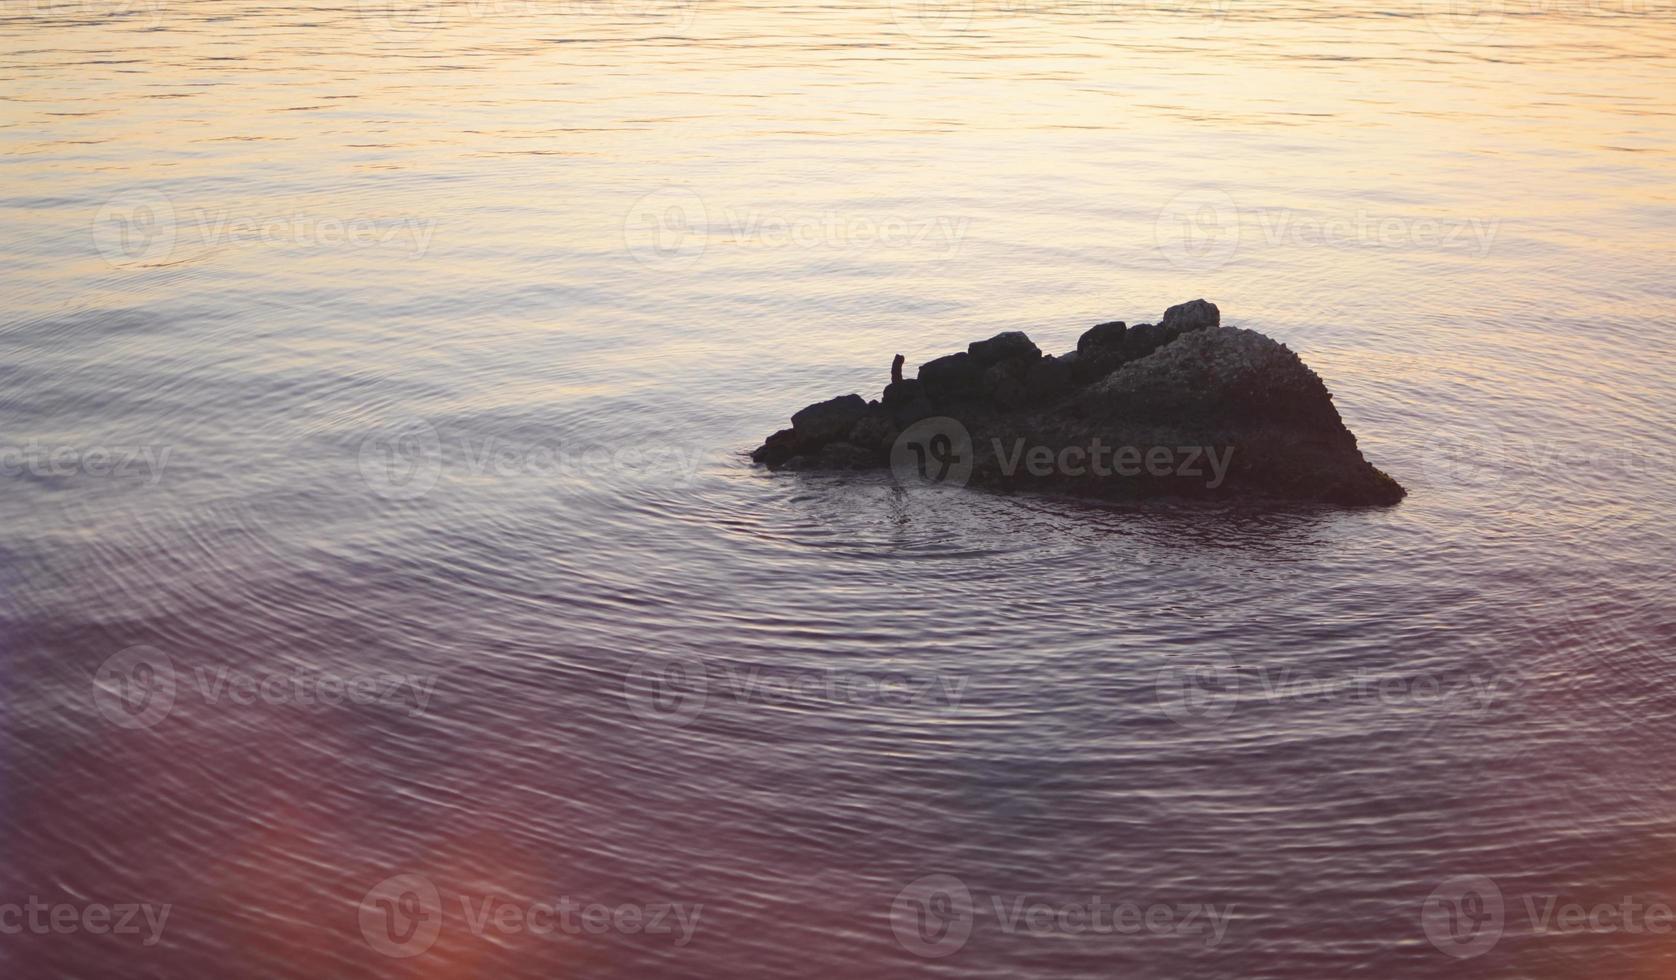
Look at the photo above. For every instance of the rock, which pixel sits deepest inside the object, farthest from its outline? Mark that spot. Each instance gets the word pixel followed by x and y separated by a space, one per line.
pixel 1144 338
pixel 1100 351
pixel 1012 345
pixel 1088 370
pixel 846 456
pixel 1193 315
pixel 1049 377
pixel 950 379
pixel 906 415
pixel 1102 336
pixel 902 392
pixel 1187 411
pixel 874 433
pixel 778 448
pixel 905 402
pixel 825 421
pixel 1235 395
pixel 1003 384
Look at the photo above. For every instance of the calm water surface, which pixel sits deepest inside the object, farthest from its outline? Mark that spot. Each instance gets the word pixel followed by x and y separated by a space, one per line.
pixel 323 329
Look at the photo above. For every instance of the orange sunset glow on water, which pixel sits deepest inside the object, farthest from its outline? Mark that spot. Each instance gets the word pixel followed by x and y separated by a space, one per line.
pixel 1228 535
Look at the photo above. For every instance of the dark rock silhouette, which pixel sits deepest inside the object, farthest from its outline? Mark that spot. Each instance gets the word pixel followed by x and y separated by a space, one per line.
pixel 1183 407
pixel 1003 348
pixel 1194 314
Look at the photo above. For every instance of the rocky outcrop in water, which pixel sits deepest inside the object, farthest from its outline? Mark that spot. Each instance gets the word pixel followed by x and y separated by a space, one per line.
pixel 1183 407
